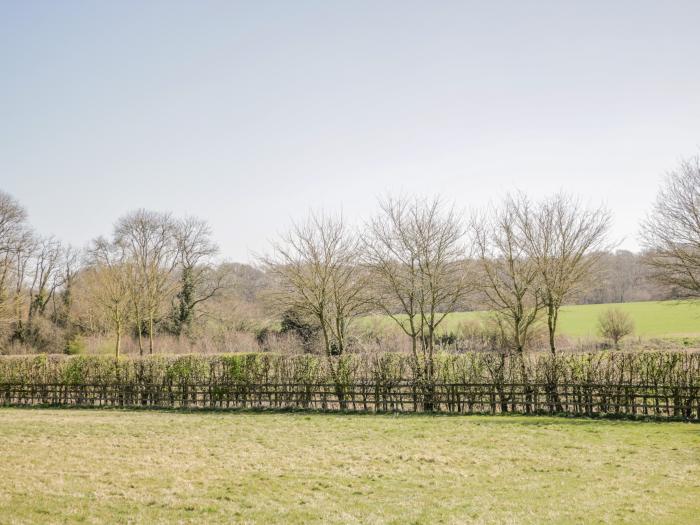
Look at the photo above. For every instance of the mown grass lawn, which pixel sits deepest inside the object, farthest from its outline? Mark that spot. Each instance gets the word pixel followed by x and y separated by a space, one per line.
pixel 159 466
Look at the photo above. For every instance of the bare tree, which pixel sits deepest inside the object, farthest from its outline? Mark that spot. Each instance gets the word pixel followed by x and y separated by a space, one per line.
pixel 23 254
pixel 614 324
pixel 46 275
pixel 565 241
pixel 14 237
pixel 415 252
pixel 315 265
pixel 147 238
pixel 671 232
pixel 70 267
pixel 108 278
pixel 199 282
pixel 12 215
pixel 509 277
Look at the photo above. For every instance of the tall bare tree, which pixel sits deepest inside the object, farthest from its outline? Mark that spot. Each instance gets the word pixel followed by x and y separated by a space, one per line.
pixel 46 275
pixel 315 265
pixel 671 232
pixel 15 236
pixel 509 277
pixel 108 278
pixel 70 268
pixel 147 238
pixel 565 240
pixel 23 255
pixel 199 282
pixel 415 252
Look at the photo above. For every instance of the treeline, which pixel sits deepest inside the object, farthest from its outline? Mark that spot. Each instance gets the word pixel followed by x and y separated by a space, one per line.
pixel 623 276
pixel 156 281
pixel 155 275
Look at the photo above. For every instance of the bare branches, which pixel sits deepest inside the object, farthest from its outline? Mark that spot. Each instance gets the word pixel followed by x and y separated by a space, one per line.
pixel 109 280
pixel 15 239
pixel 615 324
pixel 564 240
pixel 508 275
pixel 315 266
pixel 415 252
pixel 671 232
pixel 147 238
pixel 46 274
pixel 416 261
pixel 536 256
pixel 193 239
pixel 198 283
pixel 13 219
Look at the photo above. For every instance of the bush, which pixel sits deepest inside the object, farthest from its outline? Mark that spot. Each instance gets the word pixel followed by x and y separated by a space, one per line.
pixel 75 345
pixel 614 324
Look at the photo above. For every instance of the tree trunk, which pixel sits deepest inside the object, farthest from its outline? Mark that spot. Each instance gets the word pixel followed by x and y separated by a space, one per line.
pixel 552 347
pixel 527 391
pixel 428 383
pixel 138 330
pixel 118 344
pixel 186 300
pixel 150 335
pixel 552 315
pixel 552 326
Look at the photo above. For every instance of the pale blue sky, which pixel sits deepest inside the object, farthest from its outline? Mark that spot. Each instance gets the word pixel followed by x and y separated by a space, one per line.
pixel 247 114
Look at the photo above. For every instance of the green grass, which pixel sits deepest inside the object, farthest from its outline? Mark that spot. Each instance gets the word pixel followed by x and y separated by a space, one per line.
pixel 651 318
pixel 166 467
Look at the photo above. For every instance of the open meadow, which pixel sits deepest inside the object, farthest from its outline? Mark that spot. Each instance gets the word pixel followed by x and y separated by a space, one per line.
pixel 64 465
pixel 662 319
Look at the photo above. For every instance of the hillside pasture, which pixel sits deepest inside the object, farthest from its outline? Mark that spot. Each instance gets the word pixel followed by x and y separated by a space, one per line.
pixel 67 466
pixel 651 318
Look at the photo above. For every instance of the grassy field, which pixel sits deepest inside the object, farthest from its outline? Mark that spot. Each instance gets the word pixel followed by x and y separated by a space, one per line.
pixel 149 467
pixel 651 318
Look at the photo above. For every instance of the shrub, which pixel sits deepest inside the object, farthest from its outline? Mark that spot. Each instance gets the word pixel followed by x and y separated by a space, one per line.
pixel 75 345
pixel 614 324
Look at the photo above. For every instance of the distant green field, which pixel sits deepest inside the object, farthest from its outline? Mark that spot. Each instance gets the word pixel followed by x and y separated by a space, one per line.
pixel 651 319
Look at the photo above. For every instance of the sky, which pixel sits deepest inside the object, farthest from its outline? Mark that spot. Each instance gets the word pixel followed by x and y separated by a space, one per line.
pixel 249 114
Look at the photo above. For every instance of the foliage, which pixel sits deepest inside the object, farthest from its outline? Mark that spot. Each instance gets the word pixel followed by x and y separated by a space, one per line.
pixel 294 323
pixel 75 345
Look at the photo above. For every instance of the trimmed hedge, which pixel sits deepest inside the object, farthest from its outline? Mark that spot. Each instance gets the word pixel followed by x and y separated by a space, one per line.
pixel 648 383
